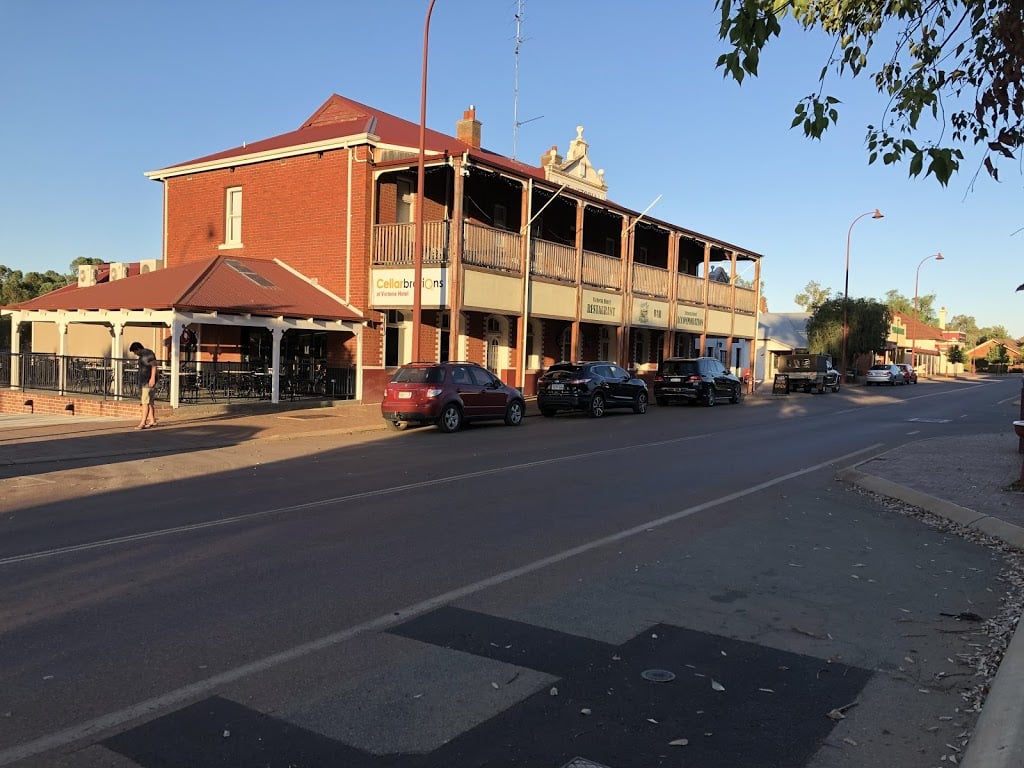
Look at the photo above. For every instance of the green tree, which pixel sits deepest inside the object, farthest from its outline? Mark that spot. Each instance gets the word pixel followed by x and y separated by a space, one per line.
pixel 964 323
pixel 944 54
pixel 811 296
pixel 867 323
pixel 992 332
pixel 997 354
pixel 955 354
pixel 897 302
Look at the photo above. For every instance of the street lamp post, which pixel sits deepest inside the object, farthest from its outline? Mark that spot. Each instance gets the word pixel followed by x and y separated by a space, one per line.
pixel 875 214
pixel 917 275
pixel 417 242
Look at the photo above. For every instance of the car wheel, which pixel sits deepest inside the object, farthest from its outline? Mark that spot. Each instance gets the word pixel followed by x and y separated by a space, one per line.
pixel 548 412
pixel 835 387
pixel 640 404
pixel 514 413
pixel 450 419
pixel 709 397
pixel 597 406
pixel 398 426
pixel 662 401
pixel 737 395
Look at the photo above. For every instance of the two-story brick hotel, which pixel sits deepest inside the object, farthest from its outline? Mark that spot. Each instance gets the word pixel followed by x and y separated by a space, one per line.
pixel 297 251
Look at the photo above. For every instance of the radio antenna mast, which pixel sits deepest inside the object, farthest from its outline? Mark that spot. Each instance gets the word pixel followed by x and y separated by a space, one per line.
pixel 516 122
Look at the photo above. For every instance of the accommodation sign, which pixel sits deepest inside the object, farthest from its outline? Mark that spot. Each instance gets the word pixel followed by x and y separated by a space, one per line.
pixel 689 319
pixel 394 287
pixel 601 307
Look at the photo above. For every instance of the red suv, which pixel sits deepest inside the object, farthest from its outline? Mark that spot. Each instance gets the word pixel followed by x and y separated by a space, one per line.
pixel 909 374
pixel 449 395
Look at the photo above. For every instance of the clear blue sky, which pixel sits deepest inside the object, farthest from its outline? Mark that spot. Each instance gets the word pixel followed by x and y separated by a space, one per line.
pixel 93 94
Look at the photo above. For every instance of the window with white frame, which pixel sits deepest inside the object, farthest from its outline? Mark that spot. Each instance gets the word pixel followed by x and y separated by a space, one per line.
pixel 233 217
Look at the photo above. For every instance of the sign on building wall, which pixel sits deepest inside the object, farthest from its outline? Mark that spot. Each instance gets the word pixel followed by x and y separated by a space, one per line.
pixel 393 287
pixel 689 319
pixel 653 314
pixel 551 300
pixel 491 293
pixel 598 307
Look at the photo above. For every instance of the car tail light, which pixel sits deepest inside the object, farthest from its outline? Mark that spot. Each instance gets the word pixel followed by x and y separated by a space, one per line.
pixel 658 377
pixel 578 382
pixel 434 391
pixel 695 377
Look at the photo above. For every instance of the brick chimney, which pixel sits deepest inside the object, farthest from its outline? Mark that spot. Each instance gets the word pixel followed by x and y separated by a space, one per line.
pixel 550 157
pixel 467 129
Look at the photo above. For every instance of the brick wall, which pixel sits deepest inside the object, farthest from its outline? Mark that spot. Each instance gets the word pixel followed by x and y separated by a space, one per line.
pixel 13 401
pixel 293 209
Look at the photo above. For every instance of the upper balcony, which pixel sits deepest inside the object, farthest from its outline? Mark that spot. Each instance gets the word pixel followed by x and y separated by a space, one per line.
pixel 500 250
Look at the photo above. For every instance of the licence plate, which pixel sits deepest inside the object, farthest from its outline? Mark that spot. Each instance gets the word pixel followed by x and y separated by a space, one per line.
pixel 557 387
pixel 405 395
pixel 675 379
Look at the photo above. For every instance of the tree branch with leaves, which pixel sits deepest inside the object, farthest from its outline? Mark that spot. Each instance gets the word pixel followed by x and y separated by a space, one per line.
pixel 946 54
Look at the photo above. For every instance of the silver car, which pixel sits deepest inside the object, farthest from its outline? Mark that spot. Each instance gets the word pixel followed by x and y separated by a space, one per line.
pixel 885 373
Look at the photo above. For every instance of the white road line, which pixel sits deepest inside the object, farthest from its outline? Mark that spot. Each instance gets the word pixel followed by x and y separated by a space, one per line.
pixel 203 687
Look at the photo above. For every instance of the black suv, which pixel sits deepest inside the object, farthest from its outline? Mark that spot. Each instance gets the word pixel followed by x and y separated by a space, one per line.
pixel 591 387
pixel 695 379
pixel 449 395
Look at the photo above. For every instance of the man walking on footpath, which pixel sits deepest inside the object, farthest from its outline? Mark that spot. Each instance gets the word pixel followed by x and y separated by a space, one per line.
pixel 148 370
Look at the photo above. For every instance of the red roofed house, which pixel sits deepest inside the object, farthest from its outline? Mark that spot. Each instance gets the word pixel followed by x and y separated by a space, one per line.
pixel 522 265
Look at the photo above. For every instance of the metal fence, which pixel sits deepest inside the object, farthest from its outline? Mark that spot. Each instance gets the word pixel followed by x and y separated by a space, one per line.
pixel 202 381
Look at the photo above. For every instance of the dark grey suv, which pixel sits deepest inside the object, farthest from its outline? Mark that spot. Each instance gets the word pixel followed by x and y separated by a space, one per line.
pixel 695 379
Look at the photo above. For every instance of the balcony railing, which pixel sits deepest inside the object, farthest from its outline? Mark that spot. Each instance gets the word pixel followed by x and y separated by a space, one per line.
pixel 601 271
pixel 492 248
pixel 746 300
pixel 690 289
pixel 393 243
pixel 719 294
pixel 554 260
pixel 500 250
pixel 652 281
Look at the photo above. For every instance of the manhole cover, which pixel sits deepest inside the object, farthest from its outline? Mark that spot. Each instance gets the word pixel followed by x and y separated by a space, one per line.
pixel 658 675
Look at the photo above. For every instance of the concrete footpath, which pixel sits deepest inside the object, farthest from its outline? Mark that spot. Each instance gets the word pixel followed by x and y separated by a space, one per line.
pixel 965 480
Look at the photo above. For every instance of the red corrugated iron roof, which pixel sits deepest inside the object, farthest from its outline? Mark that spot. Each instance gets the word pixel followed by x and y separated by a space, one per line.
pixel 225 284
pixel 339 118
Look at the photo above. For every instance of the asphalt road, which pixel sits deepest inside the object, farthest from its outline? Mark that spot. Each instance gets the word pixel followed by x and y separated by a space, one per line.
pixel 494 597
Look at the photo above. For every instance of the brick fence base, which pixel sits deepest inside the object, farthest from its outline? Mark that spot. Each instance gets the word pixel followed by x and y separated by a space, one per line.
pixel 14 401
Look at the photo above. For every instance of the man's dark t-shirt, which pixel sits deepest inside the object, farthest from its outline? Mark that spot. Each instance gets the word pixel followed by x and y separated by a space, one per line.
pixel 147 359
